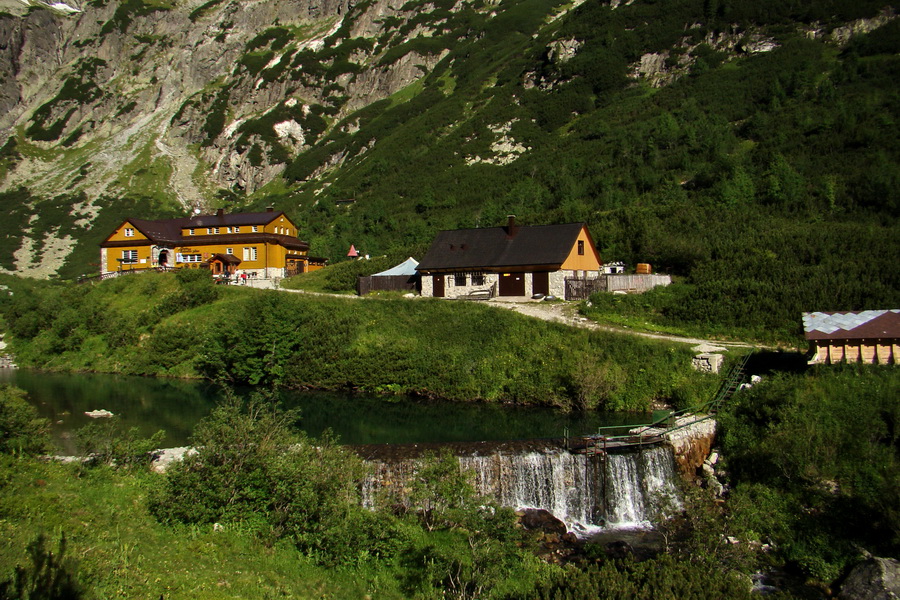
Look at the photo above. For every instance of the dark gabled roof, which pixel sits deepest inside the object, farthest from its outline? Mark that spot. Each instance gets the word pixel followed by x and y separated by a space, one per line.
pixel 232 220
pixel 866 324
pixel 493 247
pixel 230 259
pixel 164 230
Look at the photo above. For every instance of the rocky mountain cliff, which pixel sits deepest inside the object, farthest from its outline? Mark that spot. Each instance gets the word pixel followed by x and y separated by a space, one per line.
pixel 96 98
pixel 160 106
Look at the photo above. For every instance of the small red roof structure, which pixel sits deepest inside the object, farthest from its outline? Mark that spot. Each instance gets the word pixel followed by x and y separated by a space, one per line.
pixel 869 336
pixel 353 253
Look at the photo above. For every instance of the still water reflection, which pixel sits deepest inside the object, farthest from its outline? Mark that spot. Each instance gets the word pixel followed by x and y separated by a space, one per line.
pixel 177 405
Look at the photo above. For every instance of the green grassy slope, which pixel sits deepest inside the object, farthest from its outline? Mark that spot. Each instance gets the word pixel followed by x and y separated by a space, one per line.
pixel 765 179
pixel 177 325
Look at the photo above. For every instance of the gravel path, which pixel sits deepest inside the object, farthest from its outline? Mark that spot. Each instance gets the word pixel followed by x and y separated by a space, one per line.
pixel 568 315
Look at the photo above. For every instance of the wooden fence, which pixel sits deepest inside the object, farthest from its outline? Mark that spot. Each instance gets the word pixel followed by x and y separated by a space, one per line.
pixel 581 289
pixel 390 283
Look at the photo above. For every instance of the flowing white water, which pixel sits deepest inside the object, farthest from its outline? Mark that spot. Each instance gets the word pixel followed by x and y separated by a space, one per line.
pixel 620 490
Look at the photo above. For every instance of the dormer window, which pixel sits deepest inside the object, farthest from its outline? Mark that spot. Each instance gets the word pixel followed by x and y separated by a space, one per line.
pixel 129 232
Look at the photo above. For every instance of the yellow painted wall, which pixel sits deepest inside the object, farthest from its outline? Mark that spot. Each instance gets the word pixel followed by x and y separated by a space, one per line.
pixel 267 255
pixel 119 234
pixel 115 253
pixel 281 224
pixel 589 261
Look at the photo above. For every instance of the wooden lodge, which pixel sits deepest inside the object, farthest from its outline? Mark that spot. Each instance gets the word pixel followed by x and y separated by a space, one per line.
pixel 511 261
pixel 869 336
pixel 261 244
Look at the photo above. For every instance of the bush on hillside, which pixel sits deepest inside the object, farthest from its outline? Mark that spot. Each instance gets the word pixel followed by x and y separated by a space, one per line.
pixel 252 468
pixel 108 442
pixel 21 430
pixel 815 467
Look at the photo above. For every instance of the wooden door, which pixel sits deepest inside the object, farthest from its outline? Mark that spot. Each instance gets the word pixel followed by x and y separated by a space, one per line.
pixel 512 284
pixel 438 286
pixel 540 283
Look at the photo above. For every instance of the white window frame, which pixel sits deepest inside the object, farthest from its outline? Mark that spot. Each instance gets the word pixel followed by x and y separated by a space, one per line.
pixel 250 253
pixel 216 230
pixel 129 257
pixel 191 231
pixel 129 232
pixel 237 230
pixel 229 250
pixel 255 229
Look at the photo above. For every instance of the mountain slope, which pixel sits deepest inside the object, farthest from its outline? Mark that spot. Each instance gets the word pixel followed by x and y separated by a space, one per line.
pixel 750 148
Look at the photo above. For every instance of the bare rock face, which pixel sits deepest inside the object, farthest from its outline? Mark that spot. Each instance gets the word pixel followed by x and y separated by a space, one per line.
pixel 842 35
pixel 213 95
pixel 874 579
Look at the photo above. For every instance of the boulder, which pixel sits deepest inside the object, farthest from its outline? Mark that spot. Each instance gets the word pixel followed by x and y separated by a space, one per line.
pixel 541 520
pixel 873 579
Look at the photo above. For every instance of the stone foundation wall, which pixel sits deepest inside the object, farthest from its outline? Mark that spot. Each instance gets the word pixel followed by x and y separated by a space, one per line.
pixel 692 443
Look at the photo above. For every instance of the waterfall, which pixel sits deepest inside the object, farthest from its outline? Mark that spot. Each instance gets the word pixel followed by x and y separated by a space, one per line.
pixel 616 490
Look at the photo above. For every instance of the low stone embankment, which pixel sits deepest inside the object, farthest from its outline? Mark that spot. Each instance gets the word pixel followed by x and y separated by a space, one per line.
pixel 692 441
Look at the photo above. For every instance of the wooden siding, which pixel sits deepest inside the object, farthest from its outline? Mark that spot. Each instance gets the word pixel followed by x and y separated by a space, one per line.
pixel 589 261
pixel 386 283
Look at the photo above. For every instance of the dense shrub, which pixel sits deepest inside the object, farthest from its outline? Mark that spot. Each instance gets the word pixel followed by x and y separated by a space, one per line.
pixel 107 442
pixel 251 467
pixel 21 431
pixel 817 455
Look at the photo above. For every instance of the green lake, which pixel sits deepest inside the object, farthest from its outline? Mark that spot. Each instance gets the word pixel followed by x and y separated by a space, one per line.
pixel 176 406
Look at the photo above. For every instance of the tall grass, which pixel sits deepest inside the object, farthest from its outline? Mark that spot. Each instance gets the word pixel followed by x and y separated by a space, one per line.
pixel 152 324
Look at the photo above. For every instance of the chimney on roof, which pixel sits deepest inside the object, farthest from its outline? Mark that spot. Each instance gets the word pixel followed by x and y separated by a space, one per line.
pixel 511 228
pixel 270 209
pixel 220 212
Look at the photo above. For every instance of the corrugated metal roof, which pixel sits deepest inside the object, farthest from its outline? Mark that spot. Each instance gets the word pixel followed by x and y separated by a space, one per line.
pixel 866 324
pixel 407 267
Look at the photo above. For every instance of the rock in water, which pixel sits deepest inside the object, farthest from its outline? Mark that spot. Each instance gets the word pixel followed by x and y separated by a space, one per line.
pixel 99 414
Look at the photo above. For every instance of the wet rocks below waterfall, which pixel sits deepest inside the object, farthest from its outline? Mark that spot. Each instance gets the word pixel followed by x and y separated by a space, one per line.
pixel 559 546
pixel 712 476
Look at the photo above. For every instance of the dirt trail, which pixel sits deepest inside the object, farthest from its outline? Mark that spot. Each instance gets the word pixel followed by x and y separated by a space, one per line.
pixel 568 315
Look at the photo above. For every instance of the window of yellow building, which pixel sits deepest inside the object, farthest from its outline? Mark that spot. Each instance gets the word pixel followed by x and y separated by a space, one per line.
pixel 190 232
pixel 256 229
pixel 216 230
pixel 237 229
pixel 229 250
pixel 129 232
pixel 250 253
